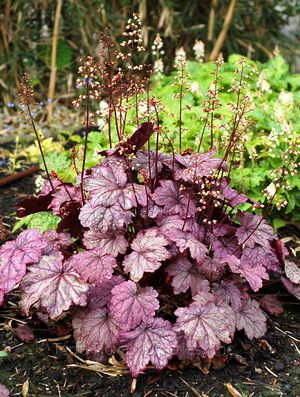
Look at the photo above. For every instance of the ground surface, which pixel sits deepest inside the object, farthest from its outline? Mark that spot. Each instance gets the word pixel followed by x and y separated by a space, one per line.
pixel 45 366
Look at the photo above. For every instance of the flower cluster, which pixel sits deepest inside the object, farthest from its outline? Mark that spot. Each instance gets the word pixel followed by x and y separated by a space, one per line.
pixel 199 50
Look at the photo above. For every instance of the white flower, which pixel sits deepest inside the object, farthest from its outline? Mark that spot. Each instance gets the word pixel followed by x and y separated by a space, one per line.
pixel 286 98
pixel 180 56
pixel 270 190
pixel 39 183
pixel 262 83
pixel 158 66
pixel 103 107
pixel 199 50
pixel 195 88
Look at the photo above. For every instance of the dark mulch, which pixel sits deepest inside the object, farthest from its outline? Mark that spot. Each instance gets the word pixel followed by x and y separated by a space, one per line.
pixel 267 367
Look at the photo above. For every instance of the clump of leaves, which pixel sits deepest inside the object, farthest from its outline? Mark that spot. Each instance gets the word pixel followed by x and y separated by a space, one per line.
pixel 152 254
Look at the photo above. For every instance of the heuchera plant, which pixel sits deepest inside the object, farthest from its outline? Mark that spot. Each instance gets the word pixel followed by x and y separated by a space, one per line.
pixel 152 253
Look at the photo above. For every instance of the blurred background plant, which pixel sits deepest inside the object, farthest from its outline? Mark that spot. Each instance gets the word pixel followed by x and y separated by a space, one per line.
pixel 46 37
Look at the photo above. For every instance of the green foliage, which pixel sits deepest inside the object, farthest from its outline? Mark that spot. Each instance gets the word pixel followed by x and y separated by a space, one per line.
pixel 275 116
pixel 41 220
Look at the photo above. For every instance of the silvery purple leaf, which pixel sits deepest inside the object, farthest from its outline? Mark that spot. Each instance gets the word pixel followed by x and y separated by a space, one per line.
pixel 169 197
pixel 152 341
pixel 151 210
pixel 53 285
pixel 224 246
pixel 148 251
pixel 198 165
pixel 211 268
pixel 130 304
pixel 206 325
pixel 166 222
pixel 253 274
pixel 107 186
pixel 261 256
pixel 104 219
pixel 94 266
pixel 55 241
pixel 99 296
pixel 229 293
pixel 95 330
pixel 251 319
pixel 292 271
pixel 185 240
pixel 185 276
pixel 254 229
pixel 293 289
pixel 15 255
pixel 147 161
pixel 109 242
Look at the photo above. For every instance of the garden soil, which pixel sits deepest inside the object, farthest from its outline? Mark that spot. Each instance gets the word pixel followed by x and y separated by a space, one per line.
pixel 47 366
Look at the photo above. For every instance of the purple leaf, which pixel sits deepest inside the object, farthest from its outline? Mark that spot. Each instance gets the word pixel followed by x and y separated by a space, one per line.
pixel 198 165
pixel 224 246
pixel 55 241
pixel 104 219
pixel 152 341
pixel 151 210
pixel 130 304
pixel 135 142
pixel 109 242
pixel 229 293
pixel 293 289
pixel 15 255
pixel 94 266
pixel 32 204
pixel 107 185
pixel 211 268
pixel 261 234
pixel 206 325
pixel 233 197
pixel 99 296
pixel 141 136
pixel 185 240
pixel 260 256
pixel 148 253
pixel 182 351
pixel 4 392
pixel 271 304
pixel 53 285
pixel 95 330
pixel 62 194
pixel 24 333
pixel 69 212
pixel 168 196
pixel 292 271
pixel 145 161
pixel 254 274
pixel 185 276
pixel 222 229
pixel 169 222
pixel 251 319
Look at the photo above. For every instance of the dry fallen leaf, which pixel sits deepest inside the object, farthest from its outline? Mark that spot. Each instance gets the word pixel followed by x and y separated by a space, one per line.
pixel 232 390
pixel 25 388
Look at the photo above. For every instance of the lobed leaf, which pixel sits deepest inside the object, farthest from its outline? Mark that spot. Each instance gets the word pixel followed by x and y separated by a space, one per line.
pixel 152 341
pixel 130 304
pixel 52 285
